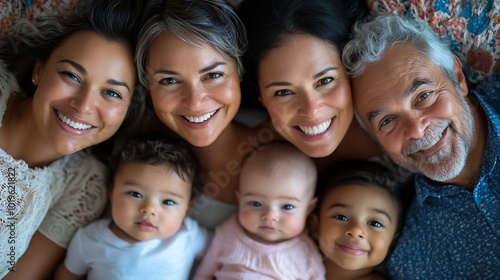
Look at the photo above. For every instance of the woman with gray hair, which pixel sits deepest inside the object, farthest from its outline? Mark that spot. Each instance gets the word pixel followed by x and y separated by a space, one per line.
pixel 189 58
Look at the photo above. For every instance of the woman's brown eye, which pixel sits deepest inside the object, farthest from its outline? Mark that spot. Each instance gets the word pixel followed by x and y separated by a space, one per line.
pixel 282 92
pixel 325 81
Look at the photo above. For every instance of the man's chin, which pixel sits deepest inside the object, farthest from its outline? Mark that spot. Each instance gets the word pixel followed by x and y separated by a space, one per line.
pixel 441 172
pixel 441 167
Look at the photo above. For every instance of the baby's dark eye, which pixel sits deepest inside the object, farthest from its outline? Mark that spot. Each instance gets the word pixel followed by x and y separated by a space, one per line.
pixel 255 204
pixel 341 217
pixel 375 224
pixel 288 207
pixel 135 194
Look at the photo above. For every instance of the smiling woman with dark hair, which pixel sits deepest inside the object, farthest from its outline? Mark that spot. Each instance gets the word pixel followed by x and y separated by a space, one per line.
pixel 67 83
pixel 296 72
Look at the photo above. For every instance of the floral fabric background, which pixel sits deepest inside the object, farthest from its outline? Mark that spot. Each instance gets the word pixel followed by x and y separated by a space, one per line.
pixel 471 28
pixel 12 10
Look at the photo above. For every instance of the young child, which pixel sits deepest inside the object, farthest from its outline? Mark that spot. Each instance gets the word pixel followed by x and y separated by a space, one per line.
pixel 149 234
pixel 358 218
pixel 266 238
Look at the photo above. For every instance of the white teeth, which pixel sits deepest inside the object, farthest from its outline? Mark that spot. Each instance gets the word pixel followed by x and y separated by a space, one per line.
pixel 200 119
pixel 71 123
pixel 317 129
pixel 432 143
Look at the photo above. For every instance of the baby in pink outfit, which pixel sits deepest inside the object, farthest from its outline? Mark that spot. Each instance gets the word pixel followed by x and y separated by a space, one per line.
pixel 266 238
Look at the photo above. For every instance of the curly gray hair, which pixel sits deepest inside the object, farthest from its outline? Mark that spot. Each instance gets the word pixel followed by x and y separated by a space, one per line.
pixel 372 39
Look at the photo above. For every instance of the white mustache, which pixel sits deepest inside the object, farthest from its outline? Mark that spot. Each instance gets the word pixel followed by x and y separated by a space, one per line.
pixel 433 134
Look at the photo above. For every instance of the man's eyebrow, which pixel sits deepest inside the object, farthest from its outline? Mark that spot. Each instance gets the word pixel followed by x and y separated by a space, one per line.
pixel 414 86
pixel 372 115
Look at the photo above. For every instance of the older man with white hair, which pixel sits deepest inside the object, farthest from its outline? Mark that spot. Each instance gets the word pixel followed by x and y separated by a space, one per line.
pixel 410 93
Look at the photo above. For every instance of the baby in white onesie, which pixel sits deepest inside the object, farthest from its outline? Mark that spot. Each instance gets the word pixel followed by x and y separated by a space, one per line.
pixel 149 234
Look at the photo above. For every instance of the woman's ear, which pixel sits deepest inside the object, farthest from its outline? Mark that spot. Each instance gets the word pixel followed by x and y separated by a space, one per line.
pixel 35 75
pixel 260 101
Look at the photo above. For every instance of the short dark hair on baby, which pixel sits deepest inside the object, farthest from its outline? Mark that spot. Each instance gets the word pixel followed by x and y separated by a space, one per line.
pixel 169 152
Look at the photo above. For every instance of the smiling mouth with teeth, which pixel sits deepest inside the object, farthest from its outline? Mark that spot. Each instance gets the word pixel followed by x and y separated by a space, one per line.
pixel 431 143
pixel 72 124
pixel 200 119
pixel 423 144
pixel 317 129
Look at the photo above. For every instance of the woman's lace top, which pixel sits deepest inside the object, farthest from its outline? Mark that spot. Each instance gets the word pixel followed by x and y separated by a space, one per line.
pixel 55 200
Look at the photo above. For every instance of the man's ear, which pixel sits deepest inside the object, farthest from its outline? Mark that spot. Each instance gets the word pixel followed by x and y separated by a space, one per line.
pixel 459 73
